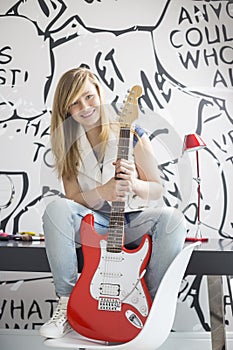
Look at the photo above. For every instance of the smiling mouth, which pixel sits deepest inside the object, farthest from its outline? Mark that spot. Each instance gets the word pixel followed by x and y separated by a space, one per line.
pixel 88 114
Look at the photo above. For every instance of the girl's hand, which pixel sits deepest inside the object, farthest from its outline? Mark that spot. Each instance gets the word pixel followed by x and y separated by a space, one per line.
pixel 126 170
pixel 118 188
pixel 115 190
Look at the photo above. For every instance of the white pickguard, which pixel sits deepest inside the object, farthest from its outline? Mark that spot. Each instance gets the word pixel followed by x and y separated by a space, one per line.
pixel 118 277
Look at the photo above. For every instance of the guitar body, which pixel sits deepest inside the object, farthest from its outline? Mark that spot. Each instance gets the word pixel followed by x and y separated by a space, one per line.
pixel 110 301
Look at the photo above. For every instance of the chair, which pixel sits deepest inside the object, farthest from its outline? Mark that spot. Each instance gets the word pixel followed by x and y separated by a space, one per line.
pixel 159 322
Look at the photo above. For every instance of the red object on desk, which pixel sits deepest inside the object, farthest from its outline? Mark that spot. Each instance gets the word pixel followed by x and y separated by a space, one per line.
pixel 4 236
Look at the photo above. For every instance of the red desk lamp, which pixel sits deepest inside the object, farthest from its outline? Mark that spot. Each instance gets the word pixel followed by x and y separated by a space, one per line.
pixel 193 142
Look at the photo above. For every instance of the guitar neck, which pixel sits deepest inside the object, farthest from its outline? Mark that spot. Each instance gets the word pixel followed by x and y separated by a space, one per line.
pixel 116 225
pixel 128 115
pixel 123 145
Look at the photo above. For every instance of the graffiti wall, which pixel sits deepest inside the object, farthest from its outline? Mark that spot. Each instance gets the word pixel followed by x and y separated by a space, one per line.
pixel 179 51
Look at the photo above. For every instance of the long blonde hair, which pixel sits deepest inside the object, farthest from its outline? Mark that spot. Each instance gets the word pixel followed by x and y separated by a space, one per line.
pixel 64 128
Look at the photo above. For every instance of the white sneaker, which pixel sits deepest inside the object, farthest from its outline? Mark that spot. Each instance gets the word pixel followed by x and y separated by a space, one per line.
pixel 58 325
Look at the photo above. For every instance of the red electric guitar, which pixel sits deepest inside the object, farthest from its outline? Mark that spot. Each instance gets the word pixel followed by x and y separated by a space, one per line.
pixel 110 300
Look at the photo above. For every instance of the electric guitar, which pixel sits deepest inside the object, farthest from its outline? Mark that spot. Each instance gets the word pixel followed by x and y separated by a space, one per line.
pixel 110 300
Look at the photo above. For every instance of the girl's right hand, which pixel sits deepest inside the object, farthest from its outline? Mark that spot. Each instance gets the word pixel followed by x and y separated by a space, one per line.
pixel 115 190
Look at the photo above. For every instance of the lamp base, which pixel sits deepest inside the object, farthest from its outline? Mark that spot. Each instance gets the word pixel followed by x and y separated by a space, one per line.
pixel 196 239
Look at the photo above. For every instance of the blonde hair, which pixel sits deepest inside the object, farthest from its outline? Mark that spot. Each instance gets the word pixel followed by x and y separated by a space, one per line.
pixel 64 128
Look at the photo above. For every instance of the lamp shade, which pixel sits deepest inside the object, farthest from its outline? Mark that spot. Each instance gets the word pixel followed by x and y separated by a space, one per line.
pixel 193 142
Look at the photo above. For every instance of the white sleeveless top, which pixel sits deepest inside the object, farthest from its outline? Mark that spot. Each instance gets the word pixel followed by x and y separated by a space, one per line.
pixel 90 174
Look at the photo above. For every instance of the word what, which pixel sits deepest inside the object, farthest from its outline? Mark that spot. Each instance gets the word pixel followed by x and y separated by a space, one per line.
pixel 18 314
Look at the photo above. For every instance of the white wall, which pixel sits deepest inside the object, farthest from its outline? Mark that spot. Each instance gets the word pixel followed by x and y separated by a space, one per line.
pixel 179 51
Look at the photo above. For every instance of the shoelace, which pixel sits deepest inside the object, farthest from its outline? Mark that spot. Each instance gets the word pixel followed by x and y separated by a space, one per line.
pixel 59 314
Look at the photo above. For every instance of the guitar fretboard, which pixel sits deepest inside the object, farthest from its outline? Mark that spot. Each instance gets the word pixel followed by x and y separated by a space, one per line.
pixel 116 225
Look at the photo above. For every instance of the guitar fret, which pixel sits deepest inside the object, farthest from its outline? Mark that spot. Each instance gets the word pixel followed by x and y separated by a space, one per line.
pixel 115 225
pixel 117 217
pixel 114 250
pixel 115 236
pixel 116 231
pixel 123 146
pixel 114 240
pixel 118 208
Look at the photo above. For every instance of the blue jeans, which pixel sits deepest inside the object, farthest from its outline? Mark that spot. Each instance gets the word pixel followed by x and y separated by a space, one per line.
pixel 61 222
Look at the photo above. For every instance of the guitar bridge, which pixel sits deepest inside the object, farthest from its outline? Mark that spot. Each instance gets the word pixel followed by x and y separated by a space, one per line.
pixel 109 304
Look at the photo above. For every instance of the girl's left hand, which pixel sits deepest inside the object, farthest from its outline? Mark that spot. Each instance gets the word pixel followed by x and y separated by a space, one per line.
pixel 126 170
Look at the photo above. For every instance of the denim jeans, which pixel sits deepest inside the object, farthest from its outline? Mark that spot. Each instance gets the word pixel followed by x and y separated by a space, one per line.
pixel 61 222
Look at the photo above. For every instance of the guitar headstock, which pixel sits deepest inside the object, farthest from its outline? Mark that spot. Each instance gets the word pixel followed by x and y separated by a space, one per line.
pixel 130 110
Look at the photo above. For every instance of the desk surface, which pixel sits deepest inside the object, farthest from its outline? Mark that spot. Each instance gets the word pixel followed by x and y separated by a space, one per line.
pixel 26 256
pixel 212 258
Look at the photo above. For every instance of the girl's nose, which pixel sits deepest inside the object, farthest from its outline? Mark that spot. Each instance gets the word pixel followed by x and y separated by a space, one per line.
pixel 83 104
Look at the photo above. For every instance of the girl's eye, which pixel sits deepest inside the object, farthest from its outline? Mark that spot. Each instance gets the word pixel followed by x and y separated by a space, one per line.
pixel 88 97
pixel 74 103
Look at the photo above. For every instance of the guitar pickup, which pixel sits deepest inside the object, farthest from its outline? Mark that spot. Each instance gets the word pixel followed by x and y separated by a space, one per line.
pixel 110 289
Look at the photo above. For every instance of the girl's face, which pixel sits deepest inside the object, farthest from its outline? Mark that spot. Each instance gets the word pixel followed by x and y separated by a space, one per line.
pixel 86 109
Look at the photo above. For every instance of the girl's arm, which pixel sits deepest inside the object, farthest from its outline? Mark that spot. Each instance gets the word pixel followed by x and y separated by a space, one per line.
pixel 90 199
pixel 143 175
pixel 113 190
pixel 148 185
